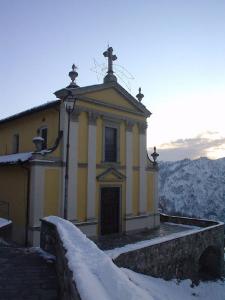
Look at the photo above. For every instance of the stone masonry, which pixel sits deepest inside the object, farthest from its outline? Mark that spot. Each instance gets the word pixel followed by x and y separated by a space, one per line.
pixel 183 257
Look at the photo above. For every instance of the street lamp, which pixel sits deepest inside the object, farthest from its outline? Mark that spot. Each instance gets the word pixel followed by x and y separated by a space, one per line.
pixel 69 102
pixel 69 106
pixel 154 155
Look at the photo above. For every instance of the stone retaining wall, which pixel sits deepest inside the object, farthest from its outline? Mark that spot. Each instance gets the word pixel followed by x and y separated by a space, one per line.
pixel 51 242
pixel 6 232
pixel 180 257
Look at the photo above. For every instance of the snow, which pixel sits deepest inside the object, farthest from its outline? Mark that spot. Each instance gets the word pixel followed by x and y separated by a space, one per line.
pixel 160 289
pixel 4 222
pixel 13 158
pixel 193 188
pixel 47 256
pixel 96 276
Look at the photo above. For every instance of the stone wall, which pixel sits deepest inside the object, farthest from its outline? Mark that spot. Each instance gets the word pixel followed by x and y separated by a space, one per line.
pixel 179 257
pixel 6 232
pixel 51 242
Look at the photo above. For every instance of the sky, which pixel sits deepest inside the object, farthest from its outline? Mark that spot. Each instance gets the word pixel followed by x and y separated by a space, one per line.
pixel 173 49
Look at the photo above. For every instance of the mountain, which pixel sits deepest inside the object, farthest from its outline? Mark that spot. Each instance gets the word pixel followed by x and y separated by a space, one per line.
pixel 193 188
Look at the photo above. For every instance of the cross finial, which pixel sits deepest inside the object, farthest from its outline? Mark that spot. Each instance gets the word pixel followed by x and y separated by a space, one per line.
pixel 140 96
pixel 111 57
pixel 73 75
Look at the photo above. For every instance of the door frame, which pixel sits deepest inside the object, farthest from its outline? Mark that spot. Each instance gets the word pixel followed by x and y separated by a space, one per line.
pixel 100 201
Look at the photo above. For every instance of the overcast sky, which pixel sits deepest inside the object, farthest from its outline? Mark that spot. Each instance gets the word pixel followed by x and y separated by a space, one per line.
pixel 173 49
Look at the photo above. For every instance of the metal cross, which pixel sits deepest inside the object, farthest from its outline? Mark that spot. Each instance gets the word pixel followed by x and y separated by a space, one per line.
pixel 111 57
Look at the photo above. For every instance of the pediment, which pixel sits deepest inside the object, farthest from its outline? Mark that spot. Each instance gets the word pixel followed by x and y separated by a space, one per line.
pixel 111 175
pixel 111 96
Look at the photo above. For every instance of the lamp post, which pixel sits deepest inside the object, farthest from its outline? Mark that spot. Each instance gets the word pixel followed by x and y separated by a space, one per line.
pixel 69 106
pixel 154 156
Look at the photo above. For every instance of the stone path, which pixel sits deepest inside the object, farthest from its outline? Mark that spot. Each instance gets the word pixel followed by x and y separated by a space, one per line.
pixel 108 242
pixel 25 275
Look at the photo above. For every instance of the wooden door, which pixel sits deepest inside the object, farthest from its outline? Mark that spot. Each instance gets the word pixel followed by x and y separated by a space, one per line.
pixel 110 210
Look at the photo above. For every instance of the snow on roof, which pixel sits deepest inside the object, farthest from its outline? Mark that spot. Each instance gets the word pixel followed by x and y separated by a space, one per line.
pixel 14 158
pixel 96 276
pixel 4 222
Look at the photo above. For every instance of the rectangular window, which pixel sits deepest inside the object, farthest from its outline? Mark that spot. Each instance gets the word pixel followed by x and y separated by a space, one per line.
pixel 16 141
pixel 110 144
pixel 44 135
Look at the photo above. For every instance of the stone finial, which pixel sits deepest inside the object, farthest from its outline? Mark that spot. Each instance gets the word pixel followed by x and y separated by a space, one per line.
pixel 111 57
pixel 38 142
pixel 139 96
pixel 73 75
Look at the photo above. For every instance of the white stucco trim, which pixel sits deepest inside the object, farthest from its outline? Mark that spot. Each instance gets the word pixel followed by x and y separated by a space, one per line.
pixel 129 171
pixel 37 185
pixel 143 175
pixel 63 127
pixel 156 193
pixel 91 188
pixel 73 161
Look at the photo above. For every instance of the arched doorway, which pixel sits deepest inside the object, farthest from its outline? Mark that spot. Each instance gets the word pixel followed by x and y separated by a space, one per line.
pixel 209 263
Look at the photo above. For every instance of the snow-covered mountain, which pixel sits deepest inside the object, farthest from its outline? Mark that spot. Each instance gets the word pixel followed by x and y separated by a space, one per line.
pixel 193 188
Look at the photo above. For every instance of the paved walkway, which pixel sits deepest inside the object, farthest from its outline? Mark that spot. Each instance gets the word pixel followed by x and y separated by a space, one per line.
pixel 25 275
pixel 108 242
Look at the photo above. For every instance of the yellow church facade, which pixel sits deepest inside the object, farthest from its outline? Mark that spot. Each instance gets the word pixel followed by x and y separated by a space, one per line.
pixel 82 157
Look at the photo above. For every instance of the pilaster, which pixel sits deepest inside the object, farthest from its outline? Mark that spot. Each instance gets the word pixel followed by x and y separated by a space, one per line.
pixel 73 166
pixel 129 165
pixel 143 163
pixel 91 188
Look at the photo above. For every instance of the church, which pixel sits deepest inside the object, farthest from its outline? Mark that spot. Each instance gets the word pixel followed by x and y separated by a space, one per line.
pixel 82 157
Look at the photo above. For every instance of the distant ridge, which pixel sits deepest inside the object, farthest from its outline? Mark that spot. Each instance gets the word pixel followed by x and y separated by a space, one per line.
pixel 193 188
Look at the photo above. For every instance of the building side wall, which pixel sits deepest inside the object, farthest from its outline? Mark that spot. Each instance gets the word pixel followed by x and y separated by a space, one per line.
pixel 27 127
pixel 13 190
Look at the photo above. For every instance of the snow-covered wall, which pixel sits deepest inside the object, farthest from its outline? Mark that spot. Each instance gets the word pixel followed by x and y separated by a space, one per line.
pixel 90 273
pixel 176 255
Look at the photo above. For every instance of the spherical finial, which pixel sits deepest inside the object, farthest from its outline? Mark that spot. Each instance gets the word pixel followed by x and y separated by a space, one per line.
pixel 139 96
pixel 73 75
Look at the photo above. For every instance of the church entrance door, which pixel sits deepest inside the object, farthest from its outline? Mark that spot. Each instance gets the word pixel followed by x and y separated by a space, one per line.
pixel 110 210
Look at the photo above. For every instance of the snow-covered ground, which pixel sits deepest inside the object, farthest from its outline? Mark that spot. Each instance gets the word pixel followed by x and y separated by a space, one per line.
pixel 97 277
pixel 160 289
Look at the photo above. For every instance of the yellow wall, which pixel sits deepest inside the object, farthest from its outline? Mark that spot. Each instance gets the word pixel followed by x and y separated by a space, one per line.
pixel 27 127
pixel 111 96
pixel 50 117
pixel 52 192
pixel 13 190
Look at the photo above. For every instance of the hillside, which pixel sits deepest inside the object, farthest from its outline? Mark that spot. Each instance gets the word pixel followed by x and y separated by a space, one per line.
pixel 193 188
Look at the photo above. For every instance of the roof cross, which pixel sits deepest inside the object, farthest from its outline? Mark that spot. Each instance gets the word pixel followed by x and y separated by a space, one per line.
pixel 111 57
